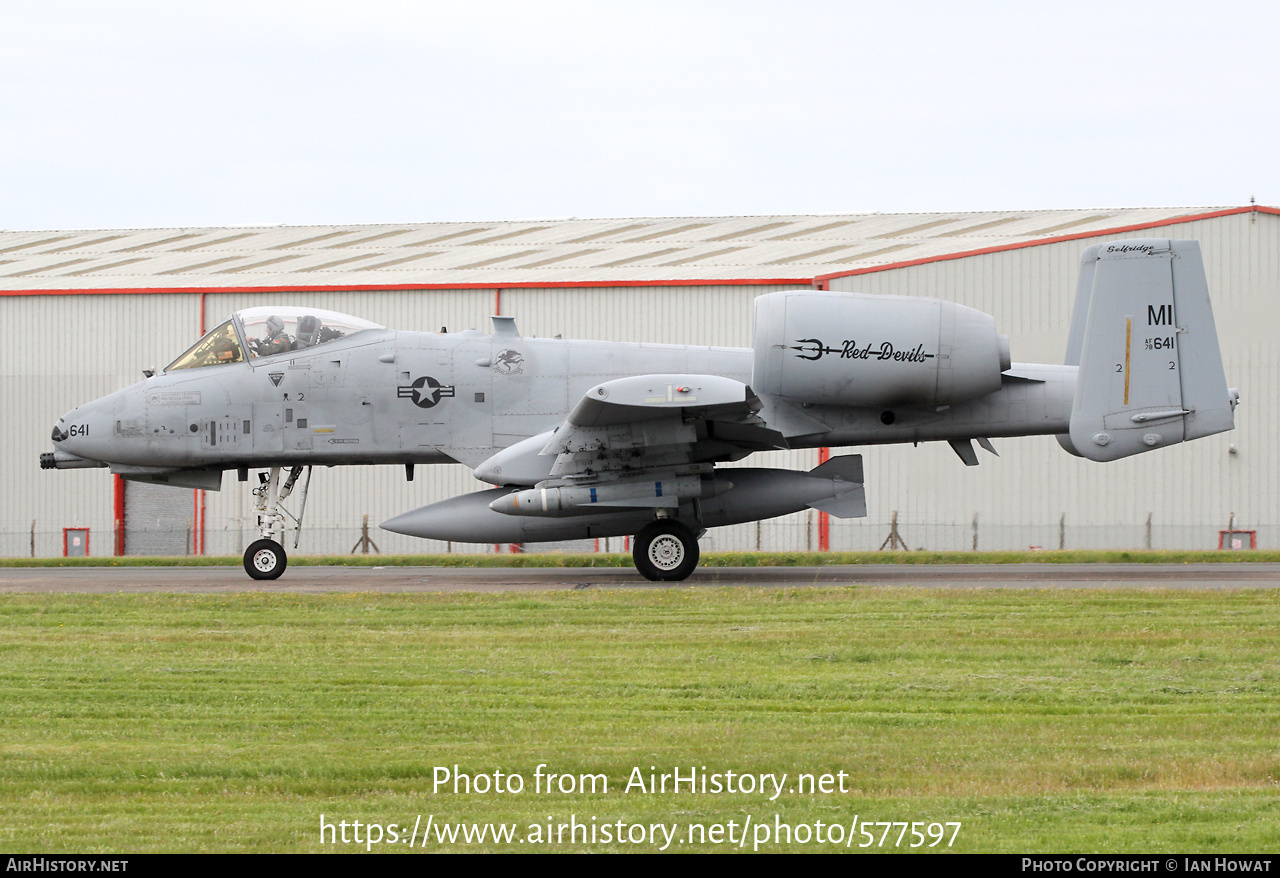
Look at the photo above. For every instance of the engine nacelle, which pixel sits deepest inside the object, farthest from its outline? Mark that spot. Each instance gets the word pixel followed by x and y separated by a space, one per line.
pixel 863 350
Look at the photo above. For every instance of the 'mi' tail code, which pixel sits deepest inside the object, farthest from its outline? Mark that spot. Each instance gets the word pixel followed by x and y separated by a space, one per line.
pixel 1143 335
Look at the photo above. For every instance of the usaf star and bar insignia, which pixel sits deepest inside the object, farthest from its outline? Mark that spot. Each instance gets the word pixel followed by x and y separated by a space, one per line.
pixel 425 392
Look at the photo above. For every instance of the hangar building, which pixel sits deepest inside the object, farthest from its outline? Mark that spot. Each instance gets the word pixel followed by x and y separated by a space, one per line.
pixel 87 311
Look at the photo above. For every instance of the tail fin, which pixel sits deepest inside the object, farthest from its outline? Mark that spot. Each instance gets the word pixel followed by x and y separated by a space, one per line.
pixel 1142 333
pixel 846 467
pixel 849 499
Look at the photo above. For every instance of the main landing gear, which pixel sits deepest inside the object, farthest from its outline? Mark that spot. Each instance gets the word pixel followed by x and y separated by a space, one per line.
pixel 266 558
pixel 665 551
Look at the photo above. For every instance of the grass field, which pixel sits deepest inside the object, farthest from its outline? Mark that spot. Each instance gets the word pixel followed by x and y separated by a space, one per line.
pixel 1042 721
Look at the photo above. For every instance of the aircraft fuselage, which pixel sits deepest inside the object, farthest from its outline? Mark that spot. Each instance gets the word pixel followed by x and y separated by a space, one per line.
pixel 390 397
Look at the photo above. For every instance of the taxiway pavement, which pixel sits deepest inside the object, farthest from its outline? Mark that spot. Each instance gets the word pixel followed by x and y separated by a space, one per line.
pixel 306 579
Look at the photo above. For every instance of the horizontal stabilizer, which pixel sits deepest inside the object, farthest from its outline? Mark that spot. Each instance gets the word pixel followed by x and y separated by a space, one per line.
pixel 1144 337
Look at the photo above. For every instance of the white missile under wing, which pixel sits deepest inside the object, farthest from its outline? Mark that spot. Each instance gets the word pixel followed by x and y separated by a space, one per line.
pixel 587 439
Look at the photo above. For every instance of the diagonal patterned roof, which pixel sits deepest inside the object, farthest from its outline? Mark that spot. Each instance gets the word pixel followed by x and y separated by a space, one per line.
pixel 534 252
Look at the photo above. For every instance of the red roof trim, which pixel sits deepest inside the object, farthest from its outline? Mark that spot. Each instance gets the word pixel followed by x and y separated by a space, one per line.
pixel 347 288
pixel 824 279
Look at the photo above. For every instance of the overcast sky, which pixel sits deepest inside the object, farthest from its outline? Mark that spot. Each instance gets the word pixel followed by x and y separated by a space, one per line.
pixel 138 114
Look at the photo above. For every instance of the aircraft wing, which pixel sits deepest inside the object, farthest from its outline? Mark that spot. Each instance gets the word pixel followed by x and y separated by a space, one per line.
pixel 648 422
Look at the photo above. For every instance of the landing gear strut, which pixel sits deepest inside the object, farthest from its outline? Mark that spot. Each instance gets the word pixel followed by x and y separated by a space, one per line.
pixel 266 558
pixel 665 551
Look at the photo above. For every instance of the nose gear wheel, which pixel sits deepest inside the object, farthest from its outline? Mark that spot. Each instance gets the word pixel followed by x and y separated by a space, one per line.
pixel 265 559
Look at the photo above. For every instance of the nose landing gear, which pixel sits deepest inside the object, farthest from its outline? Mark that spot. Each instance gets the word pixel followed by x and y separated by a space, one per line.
pixel 266 558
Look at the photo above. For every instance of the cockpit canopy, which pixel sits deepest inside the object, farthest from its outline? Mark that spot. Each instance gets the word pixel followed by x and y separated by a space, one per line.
pixel 263 332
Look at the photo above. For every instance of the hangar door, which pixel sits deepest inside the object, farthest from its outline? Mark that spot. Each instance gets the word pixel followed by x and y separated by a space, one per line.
pixel 157 519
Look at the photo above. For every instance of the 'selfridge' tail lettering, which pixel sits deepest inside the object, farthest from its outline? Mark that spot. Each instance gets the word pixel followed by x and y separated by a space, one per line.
pixel 1143 336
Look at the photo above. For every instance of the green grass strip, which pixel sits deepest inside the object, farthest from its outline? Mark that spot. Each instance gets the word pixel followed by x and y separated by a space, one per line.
pixel 1043 721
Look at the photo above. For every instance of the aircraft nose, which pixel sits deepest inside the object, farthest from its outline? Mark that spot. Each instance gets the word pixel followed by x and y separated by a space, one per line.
pixel 81 430
pixel 68 452
pixel 64 432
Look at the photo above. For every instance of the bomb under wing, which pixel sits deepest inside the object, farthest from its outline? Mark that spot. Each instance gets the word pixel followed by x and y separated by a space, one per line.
pixel 733 496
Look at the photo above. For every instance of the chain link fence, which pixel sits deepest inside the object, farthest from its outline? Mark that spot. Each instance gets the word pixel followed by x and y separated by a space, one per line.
pixel 793 533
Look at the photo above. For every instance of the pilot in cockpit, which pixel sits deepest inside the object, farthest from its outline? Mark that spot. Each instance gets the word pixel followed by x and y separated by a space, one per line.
pixel 274 342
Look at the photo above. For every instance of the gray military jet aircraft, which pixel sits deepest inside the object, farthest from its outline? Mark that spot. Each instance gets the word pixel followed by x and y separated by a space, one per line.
pixel 591 439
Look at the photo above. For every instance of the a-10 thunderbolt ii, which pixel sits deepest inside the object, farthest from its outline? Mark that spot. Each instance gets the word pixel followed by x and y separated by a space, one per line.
pixel 592 439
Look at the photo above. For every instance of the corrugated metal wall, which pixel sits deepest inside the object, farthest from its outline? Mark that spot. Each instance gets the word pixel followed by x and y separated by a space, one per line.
pixel 60 351
pixel 64 350
pixel 1189 491
pixel 159 520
